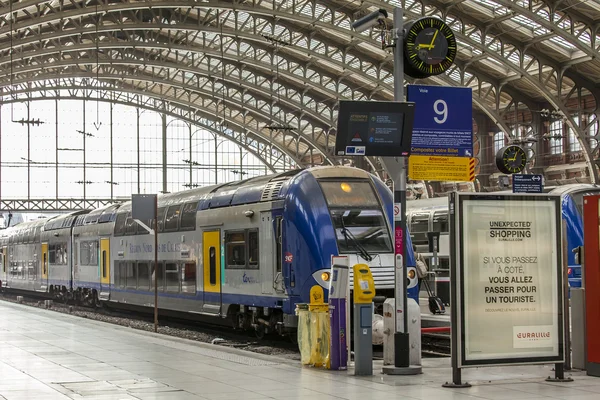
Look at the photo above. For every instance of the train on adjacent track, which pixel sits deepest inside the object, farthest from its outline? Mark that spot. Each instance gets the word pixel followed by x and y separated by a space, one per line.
pixel 248 251
pixel 431 215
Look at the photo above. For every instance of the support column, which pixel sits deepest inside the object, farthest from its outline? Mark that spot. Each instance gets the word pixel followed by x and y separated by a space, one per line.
pixel 138 149
pixel 56 145
pixel 112 179
pixel 190 159
pixel 84 135
pixel 216 162
pixel 164 152
pixel 28 155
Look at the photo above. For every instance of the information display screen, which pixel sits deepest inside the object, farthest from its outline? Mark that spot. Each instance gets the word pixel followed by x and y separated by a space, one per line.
pixel 510 280
pixel 374 128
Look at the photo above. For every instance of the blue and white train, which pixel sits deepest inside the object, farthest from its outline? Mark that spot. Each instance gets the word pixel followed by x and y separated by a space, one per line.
pixel 248 251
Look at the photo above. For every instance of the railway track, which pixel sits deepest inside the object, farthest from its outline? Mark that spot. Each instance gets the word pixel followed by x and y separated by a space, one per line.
pixel 435 345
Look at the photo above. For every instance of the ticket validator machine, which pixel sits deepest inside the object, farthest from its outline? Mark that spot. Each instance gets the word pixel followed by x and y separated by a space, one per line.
pixel 364 291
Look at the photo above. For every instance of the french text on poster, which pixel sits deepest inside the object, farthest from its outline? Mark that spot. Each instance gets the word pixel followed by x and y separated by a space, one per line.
pixel 510 281
pixel 443 120
pixel 432 168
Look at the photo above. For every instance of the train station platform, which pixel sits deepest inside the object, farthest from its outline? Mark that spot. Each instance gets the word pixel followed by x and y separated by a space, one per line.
pixel 48 355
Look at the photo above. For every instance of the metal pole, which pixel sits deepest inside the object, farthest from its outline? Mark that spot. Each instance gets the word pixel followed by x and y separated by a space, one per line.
pixel 156 264
pixel 139 186
pixel 112 177
pixel 401 339
pixel 164 149
pixel 191 171
pixel 28 155
pixel 84 135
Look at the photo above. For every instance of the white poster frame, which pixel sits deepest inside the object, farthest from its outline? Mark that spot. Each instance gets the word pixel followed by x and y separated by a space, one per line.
pixel 457 201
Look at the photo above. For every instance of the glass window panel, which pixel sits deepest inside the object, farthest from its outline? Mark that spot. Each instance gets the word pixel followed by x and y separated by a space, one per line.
pixel 188 278
pixel 120 224
pixel 131 277
pixel 236 250
pixel 172 277
pixel 253 249
pixel 130 226
pixel 84 253
pixel 143 276
pixel 161 218
pixel 160 274
pixel 212 253
pixel 349 194
pixel 188 216
pixel 172 218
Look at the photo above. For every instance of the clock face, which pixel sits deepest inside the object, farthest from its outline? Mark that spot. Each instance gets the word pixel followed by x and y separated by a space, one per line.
pixel 511 159
pixel 430 46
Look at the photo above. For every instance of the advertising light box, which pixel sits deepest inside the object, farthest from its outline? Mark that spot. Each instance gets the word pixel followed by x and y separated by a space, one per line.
pixel 509 279
pixel 374 128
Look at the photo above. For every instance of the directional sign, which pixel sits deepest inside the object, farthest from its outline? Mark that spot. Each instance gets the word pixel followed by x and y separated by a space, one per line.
pixel 527 183
pixel 443 123
pixel 432 168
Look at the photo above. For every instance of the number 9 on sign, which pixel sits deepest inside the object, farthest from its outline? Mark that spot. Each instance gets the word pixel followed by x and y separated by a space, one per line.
pixel 441 109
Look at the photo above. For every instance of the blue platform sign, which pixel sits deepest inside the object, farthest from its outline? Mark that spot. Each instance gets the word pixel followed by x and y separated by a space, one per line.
pixel 527 183
pixel 443 124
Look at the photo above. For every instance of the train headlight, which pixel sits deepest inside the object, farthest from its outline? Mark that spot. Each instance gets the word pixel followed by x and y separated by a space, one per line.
pixel 411 274
pixel 346 187
pixel 323 277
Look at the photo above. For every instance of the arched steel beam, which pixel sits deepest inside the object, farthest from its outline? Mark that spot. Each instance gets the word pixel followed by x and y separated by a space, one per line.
pixel 126 62
pixel 141 105
pixel 205 116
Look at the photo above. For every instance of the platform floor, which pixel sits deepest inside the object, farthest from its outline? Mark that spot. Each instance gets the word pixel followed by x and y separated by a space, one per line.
pixel 46 355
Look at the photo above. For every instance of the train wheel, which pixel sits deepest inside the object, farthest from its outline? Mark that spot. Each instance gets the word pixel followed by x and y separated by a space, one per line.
pixel 260 332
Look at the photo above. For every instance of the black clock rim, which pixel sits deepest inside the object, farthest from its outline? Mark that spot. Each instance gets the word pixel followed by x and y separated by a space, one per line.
pixel 451 52
pixel 500 159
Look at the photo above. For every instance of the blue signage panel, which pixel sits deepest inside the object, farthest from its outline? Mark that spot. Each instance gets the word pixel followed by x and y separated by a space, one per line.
pixel 443 123
pixel 527 184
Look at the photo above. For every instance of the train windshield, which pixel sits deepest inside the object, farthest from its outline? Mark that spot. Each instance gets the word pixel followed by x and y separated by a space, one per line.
pixel 357 216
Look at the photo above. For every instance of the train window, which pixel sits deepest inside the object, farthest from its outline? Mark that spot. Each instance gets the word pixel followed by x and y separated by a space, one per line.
pixel 93 245
pixel 188 278
pixel 188 216
pixel 253 249
pixel 235 243
pixel 84 253
pixel 122 268
pixel 161 218
pixel 131 275
pixel 349 194
pixel 172 218
pixel 440 221
pixel 172 277
pixel 52 254
pixel 130 226
pixel 31 273
pixel 361 230
pixel 36 236
pixel 143 276
pixel 120 224
pixel 160 273
pixel 104 266
pixel 212 279
pixel 44 264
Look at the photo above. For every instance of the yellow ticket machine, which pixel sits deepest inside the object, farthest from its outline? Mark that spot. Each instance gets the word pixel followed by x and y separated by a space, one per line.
pixel 364 291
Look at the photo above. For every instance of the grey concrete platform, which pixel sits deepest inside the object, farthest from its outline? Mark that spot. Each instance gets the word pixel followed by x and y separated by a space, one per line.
pixel 46 355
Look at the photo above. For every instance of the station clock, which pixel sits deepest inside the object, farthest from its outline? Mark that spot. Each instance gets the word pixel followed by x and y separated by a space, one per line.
pixel 511 159
pixel 429 48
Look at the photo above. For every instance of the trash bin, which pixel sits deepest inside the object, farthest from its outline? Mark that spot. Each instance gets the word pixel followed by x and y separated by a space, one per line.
pixel 313 334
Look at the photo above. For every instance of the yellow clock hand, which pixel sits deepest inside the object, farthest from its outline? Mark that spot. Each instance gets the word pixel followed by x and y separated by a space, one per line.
pixel 431 46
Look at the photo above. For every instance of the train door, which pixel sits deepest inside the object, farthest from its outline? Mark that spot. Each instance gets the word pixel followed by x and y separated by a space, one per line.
pixel 267 253
pixel 104 268
pixel 3 265
pixel 45 272
pixel 211 242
